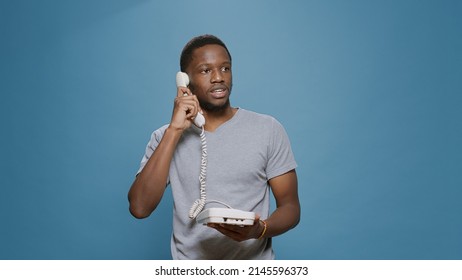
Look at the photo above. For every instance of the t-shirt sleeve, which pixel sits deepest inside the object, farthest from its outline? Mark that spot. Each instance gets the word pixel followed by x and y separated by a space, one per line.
pixel 280 157
pixel 156 136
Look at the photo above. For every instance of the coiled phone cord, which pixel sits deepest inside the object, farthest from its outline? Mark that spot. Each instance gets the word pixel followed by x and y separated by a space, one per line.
pixel 200 203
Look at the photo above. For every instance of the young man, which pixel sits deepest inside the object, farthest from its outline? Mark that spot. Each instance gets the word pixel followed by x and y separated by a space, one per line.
pixel 248 154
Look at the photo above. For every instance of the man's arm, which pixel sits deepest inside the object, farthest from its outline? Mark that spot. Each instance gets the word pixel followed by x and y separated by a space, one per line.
pixel 285 217
pixel 149 186
pixel 287 213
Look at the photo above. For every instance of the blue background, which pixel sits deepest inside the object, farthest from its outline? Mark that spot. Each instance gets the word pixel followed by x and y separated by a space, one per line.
pixel 368 91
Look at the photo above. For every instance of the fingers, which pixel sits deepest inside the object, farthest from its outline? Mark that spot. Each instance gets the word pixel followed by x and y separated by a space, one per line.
pixel 187 102
pixel 236 232
pixel 231 232
pixel 186 107
pixel 182 91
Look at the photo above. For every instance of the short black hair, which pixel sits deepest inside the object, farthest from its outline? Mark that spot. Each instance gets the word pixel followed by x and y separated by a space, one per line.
pixel 195 43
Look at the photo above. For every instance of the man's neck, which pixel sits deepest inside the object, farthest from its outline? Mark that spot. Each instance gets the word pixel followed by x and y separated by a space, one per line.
pixel 217 118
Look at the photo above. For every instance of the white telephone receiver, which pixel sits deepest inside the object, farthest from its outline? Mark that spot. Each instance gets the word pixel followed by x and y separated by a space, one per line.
pixel 182 80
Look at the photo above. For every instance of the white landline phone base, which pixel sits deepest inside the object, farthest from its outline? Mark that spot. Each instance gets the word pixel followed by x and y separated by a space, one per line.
pixel 226 216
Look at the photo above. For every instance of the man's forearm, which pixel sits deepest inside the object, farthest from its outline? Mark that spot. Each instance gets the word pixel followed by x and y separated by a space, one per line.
pixel 282 219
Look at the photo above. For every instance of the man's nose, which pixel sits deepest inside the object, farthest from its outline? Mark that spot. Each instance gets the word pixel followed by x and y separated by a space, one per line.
pixel 217 76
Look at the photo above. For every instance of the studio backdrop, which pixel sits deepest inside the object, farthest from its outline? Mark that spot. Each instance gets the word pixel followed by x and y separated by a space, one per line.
pixel 369 93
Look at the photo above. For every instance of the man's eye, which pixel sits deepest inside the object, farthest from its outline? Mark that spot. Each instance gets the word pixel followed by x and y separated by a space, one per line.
pixel 225 69
pixel 205 71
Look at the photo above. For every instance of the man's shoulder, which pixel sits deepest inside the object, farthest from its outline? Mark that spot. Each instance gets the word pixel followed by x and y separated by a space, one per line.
pixel 261 121
pixel 161 130
pixel 259 117
pixel 157 134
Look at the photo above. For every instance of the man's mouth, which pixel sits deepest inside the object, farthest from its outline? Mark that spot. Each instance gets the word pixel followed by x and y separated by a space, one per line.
pixel 218 92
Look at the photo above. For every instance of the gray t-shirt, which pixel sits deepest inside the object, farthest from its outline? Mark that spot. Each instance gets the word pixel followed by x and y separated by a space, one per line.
pixel 242 155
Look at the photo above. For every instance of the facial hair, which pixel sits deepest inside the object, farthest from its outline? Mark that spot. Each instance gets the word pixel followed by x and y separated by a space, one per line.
pixel 209 107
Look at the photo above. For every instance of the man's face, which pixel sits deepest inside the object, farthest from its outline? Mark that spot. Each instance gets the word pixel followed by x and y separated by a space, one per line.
pixel 210 77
